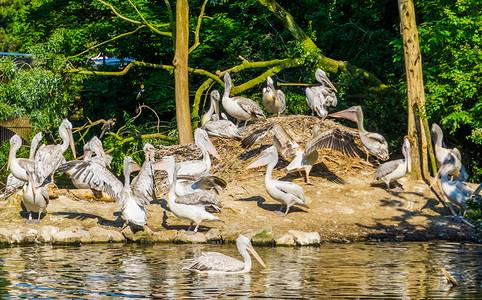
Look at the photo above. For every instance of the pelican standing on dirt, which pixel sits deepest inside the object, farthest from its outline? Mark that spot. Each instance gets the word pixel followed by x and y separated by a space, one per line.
pixel 190 206
pixel 13 183
pixel 304 159
pixel 288 193
pixel 372 142
pixel 215 262
pixel 456 191
pixel 100 178
pixel 35 198
pixel 459 173
pixel 241 108
pixel 214 126
pixel 273 100
pixel 319 97
pixel 144 184
pixel 194 167
pixel 395 169
pixel 49 157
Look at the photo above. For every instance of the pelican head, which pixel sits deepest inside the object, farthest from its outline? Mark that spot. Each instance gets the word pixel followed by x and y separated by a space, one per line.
pixel 270 82
pixel 321 77
pixel 202 140
pixel 95 145
pixel 406 152
pixel 30 170
pixel 447 167
pixel 149 151
pixel 130 166
pixel 228 84
pixel 243 242
pixel 350 113
pixel 65 131
pixel 215 96
pixel 266 156
pixel 15 144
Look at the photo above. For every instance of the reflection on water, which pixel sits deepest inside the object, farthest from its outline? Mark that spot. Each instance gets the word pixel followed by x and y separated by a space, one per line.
pixel 384 270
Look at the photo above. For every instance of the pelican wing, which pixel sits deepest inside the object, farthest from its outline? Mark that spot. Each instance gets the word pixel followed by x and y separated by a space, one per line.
pixel 333 139
pixel 143 185
pixel 250 107
pixel 386 168
pixel 281 98
pixel 204 181
pixel 291 189
pixel 465 189
pixel 95 175
pixel 255 136
pixel 284 142
pixel 47 159
pixel 199 198
pixel 214 261
pixel 222 129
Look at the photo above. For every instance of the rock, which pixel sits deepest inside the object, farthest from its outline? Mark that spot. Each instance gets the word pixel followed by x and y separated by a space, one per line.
pixel 45 234
pixel 5 236
pixel 213 235
pixel 286 240
pixel 305 238
pixel 198 237
pixel 99 234
pixel 165 236
pixel 71 235
pixel 263 237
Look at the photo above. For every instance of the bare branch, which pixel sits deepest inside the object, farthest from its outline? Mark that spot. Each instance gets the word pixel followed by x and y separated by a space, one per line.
pixel 151 27
pixel 118 14
pixel 198 27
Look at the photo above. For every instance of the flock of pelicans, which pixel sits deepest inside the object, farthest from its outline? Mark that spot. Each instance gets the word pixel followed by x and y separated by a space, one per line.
pixel 192 192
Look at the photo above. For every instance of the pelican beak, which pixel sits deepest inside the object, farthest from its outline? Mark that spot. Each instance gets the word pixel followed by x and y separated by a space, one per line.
pixel 210 147
pixel 11 154
pixel 104 157
pixel 437 177
pixel 135 167
pixel 30 178
pixel 346 114
pixel 327 80
pixel 260 161
pixel 255 254
pixel 71 141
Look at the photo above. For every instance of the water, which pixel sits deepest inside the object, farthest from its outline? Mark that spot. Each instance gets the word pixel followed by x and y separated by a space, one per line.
pixel 359 270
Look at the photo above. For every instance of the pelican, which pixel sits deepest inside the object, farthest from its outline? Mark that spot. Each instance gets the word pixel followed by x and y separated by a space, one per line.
pixel 144 184
pixel 319 97
pixel 304 159
pixel 456 191
pixel 288 193
pixel 193 167
pixel 17 165
pixel 459 173
pixel 273 100
pixel 100 178
pixel 214 262
pixel 187 184
pixel 372 142
pixel 218 127
pixel 13 183
pixel 191 206
pixel 395 169
pixel 242 109
pixel 35 198
pixel 49 157
pixel 93 146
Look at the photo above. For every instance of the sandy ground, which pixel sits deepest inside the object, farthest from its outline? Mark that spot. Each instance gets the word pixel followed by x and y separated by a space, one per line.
pixel 344 205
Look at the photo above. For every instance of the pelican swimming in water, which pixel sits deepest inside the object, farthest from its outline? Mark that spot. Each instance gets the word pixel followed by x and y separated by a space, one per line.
pixel 304 159
pixel 191 206
pixel 459 173
pixel 372 142
pixel 214 262
pixel 214 126
pixel 13 183
pixel 319 97
pixel 100 178
pixel 35 198
pixel 144 184
pixel 194 167
pixel 49 157
pixel 273 100
pixel 288 193
pixel 241 108
pixel 395 169
pixel 456 191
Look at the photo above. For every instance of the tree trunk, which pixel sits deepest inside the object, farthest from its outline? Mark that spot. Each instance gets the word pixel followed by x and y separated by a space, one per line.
pixel 180 63
pixel 417 121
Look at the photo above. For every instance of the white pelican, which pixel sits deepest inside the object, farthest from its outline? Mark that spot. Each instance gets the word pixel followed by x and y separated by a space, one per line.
pixel 144 184
pixel 372 142
pixel 395 169
pixel 187 184
pixel 288 193
pixel 273 100
pixel 214 262
pixel 35 198
pixel 304 159
pixel 194 167
pixel 459 173
pixel 319 97
pixel 17 165
pixel 214 126
pixel 13 183
pixel 49 157
pixel 456 191
pixel 100 178
pixel 241 108
pixel 191 206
